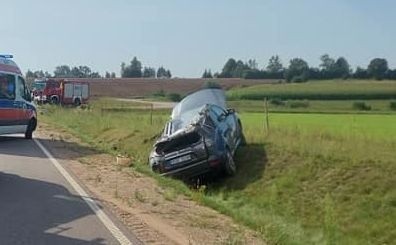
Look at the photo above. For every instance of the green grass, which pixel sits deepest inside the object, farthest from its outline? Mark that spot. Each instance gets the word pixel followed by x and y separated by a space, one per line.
pixel 312 179
pixel 318 90
pixel 314 106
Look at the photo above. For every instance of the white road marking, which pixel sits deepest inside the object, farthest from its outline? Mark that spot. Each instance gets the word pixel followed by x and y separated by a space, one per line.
pixel 115 231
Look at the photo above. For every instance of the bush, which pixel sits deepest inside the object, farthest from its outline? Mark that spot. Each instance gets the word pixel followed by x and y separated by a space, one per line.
pixel 175 97
pixel 277 102
pixel 298 104
pixel 392 105
pixel 359 105
pixel 211 84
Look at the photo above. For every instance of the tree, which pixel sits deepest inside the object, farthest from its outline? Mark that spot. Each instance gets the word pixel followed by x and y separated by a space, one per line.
pixel 275 68
pixel 163 73
pixel 62 71
pixel 239 69
pixel 252 64
pixel 378 68
pixel 76 72
pixel 391 74
pixel 207 74
pixel 327 62
pixel 327 67
pixel 298 70
pixel 168 74
pixel 85 71
pixel 274 65
pixel 360 73
pixel 107 74
pixel 149 72
pixel 113 75
pixel 133 70
pixel 228 68
pixel 95 75
pixel 341 68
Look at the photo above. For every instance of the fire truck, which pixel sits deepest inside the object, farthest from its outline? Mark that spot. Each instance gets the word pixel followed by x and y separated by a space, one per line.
pixel 64 92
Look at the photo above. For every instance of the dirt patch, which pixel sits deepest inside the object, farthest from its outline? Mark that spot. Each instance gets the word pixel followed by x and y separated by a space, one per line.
pixel 156 215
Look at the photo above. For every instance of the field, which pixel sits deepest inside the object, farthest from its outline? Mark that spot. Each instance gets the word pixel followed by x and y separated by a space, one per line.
pixel 318 90
pixel 137 87
pixel 315 106
pixel 312 178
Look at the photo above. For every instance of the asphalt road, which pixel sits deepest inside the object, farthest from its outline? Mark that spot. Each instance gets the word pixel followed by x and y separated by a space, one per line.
pixel 38 205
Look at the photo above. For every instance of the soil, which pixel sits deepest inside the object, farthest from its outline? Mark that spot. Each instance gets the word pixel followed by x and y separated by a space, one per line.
pixel 156 215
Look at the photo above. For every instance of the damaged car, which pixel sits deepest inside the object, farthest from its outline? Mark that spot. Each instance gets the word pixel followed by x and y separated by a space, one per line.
pixel 201 137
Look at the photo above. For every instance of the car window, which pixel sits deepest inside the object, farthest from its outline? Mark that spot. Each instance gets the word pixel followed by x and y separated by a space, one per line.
pixel 7 86
pixel 217 112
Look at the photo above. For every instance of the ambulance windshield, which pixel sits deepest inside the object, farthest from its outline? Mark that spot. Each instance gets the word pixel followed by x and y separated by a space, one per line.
pixel 7 87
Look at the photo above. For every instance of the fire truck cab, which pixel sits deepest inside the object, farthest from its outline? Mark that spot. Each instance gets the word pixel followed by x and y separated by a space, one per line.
pixel 17 112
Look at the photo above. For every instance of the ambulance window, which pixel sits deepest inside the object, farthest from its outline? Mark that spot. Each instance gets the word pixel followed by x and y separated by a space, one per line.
pixel 22 88
pixel 7 86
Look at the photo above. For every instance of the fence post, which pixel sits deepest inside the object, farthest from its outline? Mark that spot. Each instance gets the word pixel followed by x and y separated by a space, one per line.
pixel 266 115
pixel 151 113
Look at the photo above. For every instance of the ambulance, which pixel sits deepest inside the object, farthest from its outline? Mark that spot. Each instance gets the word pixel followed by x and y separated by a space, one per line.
pixel 17 112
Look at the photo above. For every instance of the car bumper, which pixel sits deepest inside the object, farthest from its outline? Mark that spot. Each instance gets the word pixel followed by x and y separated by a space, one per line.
pixel 192 170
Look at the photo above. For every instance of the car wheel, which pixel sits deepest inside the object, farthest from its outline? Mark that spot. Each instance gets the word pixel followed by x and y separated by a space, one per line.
pixel 30 129
pixel 229 166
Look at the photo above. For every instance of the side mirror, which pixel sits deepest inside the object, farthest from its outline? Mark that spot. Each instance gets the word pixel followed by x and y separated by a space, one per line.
pixel 28 96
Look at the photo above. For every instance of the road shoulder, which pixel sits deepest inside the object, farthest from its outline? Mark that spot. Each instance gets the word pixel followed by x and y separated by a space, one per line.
pixel 154 214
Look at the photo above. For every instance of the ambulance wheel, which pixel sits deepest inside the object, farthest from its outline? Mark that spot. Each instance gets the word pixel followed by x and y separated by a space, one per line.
pixel 30 128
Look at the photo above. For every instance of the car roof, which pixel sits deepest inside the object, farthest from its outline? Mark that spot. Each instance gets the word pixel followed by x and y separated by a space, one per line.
pixel 9 66
pixel 208 96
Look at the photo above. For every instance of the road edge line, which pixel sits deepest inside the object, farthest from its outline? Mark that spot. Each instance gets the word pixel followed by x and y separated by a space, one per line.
pixel 114 230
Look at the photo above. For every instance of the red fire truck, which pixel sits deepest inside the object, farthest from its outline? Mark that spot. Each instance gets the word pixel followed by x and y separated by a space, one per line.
pixel 64 92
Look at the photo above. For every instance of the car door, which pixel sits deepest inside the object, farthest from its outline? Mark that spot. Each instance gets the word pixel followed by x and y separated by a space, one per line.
pixel 10 113
pixel 22 100
pixel 233 129
pixel 222 125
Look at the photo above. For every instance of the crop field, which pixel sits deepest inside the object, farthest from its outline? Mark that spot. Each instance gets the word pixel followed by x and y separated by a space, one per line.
pixel 137 87
pixel 307 179
pixel 318 90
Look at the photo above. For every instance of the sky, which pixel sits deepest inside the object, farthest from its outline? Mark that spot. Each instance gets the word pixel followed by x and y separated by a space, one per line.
pixel 188 36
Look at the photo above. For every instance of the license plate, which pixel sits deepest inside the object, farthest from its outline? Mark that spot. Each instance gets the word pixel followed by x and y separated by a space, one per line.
pixel 180 159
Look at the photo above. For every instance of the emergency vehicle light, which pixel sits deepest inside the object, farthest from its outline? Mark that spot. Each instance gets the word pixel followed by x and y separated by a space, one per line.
pixel 6 56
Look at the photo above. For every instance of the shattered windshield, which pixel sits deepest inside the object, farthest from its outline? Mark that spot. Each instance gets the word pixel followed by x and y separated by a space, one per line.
pixel 199 99
pixel 187 112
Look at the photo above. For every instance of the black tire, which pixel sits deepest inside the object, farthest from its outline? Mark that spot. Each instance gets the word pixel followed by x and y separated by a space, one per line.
pixel 77 102
pixel 242 135
pixel 30 128
pixel 54 100
pixel 243 139
pixel 229 165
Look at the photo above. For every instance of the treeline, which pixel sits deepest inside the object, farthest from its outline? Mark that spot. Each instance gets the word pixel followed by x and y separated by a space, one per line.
pixel 298 70
pixel 65 71
pixel 135 69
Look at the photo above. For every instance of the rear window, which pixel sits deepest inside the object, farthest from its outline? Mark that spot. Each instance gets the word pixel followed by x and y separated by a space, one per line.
pixel 7 86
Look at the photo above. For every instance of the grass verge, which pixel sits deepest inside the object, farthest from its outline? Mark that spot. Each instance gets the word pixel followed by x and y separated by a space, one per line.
pixel 311 179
